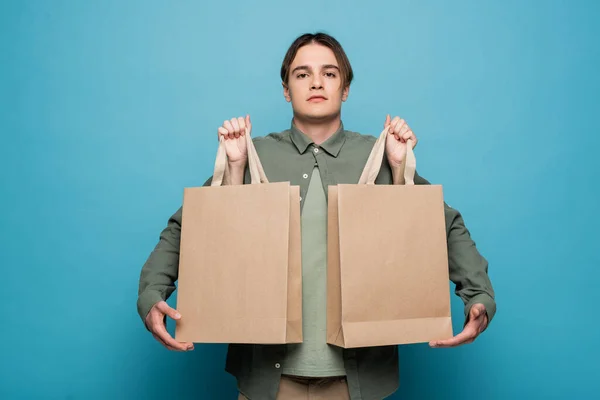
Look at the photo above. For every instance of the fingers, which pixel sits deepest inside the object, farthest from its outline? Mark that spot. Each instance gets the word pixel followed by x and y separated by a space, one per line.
pixel 156 325
pixel 393 124
pixel 407 134
pixel 159 340
pixel 242 124
pixel 468 335
pixel 387 121
pixel 160 331
pixel 230 129
pixel 223 132
pixel 235 127
pixel 164 308
pixel 401 131
pixel 476 324
pixel 396 126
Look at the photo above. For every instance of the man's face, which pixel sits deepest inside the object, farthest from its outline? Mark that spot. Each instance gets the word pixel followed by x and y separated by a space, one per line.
pixel 314 84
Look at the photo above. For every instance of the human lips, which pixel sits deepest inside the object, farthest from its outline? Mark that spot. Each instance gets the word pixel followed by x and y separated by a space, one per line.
pixel 317 99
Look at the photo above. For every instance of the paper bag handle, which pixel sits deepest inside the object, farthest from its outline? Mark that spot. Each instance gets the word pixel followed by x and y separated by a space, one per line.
pixel 221 174
pixel 375 159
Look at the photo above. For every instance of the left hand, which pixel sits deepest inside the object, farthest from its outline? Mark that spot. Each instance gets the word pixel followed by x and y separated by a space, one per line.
pixel 477 322
pixel 233 132
pixel 398 134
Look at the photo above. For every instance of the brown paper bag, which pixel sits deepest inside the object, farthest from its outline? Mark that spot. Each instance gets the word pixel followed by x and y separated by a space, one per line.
pixel 388 279
pixel 240 271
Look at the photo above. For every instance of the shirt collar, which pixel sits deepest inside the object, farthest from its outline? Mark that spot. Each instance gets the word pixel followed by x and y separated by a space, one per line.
pixel 333 145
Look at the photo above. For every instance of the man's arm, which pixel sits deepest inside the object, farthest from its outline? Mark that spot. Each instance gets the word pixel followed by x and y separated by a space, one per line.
pixel 160 271
pixel 468 268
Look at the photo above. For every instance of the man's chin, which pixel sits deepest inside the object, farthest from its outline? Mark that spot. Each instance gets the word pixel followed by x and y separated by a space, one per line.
pixel 319 117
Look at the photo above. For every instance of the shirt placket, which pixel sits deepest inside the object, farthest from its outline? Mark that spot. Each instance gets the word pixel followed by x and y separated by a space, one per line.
pixel 312 157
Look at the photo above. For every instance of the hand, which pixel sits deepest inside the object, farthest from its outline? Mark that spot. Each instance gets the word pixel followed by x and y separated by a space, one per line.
pixel 234 135
pixel 155 322
pixel 477 323
pixel 398 134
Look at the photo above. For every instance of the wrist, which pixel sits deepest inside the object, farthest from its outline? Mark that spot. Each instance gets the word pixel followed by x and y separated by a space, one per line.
pixel 397 173
pixel 396 164
pixel 236 172
pixel 238 164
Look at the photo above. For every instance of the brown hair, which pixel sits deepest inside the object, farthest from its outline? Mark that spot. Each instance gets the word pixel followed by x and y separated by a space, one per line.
pixel 325 40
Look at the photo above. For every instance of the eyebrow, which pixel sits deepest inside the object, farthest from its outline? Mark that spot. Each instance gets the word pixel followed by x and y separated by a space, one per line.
pixel 307 68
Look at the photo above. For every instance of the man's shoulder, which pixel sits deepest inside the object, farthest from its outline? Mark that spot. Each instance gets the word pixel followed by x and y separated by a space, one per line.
pixel 357 137
pixel 271 139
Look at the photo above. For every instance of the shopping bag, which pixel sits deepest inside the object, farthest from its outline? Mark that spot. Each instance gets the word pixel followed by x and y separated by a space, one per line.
pixel 388 279
pixel 240 271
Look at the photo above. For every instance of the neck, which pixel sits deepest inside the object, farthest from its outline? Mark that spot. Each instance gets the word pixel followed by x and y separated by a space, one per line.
pixel 318 131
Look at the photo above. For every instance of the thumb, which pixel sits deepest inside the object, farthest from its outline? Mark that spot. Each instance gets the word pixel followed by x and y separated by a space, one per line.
pixel 387 121
pixel 477 311
pixel 171 312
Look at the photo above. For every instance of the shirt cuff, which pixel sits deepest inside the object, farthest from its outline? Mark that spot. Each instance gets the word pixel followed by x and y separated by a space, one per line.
pixel 487 301
pixel 146 301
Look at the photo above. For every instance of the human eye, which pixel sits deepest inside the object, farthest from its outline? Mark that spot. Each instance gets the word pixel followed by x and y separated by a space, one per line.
pixel 330 74
pixel 301 75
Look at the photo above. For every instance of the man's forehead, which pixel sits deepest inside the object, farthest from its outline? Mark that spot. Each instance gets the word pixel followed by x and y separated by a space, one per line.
pixel 314 55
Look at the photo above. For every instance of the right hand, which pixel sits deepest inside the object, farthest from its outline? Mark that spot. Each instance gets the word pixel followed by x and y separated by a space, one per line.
pixel 155 322
pixel 234 134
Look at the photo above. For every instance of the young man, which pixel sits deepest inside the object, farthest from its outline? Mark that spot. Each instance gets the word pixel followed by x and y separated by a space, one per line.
pixel 314 153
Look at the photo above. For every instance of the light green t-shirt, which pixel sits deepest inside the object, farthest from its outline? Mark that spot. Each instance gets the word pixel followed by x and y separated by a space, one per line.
pixel 314 357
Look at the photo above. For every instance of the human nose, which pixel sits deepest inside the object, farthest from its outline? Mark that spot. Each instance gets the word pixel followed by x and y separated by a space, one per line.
pixel 316 82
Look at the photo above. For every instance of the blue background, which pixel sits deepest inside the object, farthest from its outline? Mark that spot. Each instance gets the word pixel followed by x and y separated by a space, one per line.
pixel 108 109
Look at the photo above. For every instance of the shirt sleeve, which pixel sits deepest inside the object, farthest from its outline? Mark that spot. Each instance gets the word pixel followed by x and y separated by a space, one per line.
pixel 160 271
pixel 468 268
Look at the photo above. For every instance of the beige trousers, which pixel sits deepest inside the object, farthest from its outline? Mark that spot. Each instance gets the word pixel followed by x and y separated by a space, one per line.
pixel 299 388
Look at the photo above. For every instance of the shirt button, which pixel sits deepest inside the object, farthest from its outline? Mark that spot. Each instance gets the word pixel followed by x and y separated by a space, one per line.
pixel 277 365
pixel 305 176
pixel 300 198
pixel 316 150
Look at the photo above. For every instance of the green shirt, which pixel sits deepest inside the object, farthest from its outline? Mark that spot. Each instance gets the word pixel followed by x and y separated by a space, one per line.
pixel 289 156
pixel 314 357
